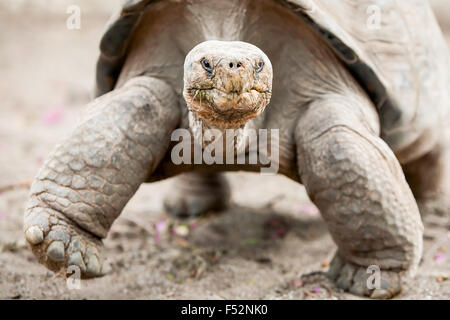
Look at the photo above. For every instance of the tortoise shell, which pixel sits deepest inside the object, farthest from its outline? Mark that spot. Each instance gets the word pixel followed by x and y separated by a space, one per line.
pixel 394 49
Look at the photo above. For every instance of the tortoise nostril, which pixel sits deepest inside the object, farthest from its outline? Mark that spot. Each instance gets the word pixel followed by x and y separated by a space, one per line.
pixel 235 64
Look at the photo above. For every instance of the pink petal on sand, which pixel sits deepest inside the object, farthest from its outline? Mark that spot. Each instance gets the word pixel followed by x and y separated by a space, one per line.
pixel 161 226
pixel 1 215
pixel 316 290
pixel 53 115
pixel 309 209
pixel 297 283
pixel 440 257
pixel 193 224
pixel 281 232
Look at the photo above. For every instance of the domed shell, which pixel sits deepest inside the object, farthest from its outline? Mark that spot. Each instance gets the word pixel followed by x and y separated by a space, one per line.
pixel 394 49
pixel 114 43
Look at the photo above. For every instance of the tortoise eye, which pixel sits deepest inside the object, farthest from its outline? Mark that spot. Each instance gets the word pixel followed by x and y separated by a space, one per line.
pixel 206 65
pixel 259 66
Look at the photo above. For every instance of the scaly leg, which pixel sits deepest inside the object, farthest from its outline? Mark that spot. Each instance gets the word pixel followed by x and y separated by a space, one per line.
pixel 358 185
pixel 429 178
pixel 194 194
pixel 90 175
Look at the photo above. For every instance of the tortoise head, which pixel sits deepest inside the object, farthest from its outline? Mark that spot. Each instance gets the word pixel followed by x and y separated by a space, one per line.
pixel 227 83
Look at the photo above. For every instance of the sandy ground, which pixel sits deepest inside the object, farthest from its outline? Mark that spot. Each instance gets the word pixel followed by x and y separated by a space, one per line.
pixel 271 243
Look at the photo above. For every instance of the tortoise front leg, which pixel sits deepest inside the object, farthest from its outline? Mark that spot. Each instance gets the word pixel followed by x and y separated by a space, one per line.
pixel 358 185
pixel 90 175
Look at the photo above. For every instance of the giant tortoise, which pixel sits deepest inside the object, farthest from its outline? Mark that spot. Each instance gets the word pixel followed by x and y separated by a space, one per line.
pixel 358 91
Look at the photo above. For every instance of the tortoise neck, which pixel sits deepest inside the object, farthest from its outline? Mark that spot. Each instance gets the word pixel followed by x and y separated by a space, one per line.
pixel 199 130
pixel 232 15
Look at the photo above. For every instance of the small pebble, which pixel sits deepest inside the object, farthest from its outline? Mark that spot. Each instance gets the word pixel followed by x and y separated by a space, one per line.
pixel 180 230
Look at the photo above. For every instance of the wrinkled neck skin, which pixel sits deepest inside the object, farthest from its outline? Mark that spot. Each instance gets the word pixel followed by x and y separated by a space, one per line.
pixel 207 13
pixel 199 128
pixel 207 16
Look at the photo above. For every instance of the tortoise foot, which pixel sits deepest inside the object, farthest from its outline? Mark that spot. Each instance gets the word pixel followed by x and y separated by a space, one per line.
pixel 196 194
pixel 355 279
pixel 188 205
pixel 59 243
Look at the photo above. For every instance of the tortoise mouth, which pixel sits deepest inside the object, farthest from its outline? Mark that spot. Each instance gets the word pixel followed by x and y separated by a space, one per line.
pixel 196 89
pixel 226 108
